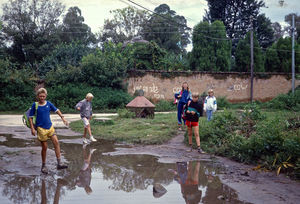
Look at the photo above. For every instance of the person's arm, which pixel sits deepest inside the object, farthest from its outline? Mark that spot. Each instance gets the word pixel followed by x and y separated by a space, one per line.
pixel 62 117
pixel 31 126
pixel 205 103
pixel 78 105
pixel 215 105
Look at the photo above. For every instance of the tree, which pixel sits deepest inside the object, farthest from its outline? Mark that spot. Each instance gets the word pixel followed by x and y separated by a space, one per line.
pixel 211 48
pixel 63 55
pixel 242 55
pixel 235 14
pixel 105 68
pixel 264 31
pixel 126 24
pixel 31 27
pixel 288 19
pixel 279 58
pixel 168 30
pixel 278 32
pixel 74 28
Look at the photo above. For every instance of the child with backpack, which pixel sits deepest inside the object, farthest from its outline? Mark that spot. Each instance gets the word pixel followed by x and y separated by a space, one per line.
pixel 184 96
pixel 193 110
pixel 44 127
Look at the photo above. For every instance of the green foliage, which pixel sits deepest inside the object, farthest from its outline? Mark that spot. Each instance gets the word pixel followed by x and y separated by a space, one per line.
pixel 105 68
pixel 278 57
pixel 164 105
pixel 68 95
pixel 31 27
pixel 254 137
pixel 64 55
pixel 124 113
pixel 288 101
pixel 74 28
pixel 222 103
pixel 209 54
pixel 167 29
pixel 239 24
pixel 126 24
pixel 242 55
pixel 17 87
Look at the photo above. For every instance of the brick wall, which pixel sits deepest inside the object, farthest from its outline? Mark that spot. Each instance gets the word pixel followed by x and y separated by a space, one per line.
pixel 235 86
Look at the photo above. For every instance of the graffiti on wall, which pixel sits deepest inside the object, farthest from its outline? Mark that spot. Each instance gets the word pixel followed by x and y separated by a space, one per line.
pixel 150 90
pixel 237 87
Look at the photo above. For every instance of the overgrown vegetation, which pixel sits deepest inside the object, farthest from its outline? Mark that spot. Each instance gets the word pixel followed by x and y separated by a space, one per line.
pixel 133 130
pixel 270 140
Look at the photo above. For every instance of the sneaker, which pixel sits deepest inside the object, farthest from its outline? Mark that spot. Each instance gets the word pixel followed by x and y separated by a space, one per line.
pixel 84 145
pixel 61 166
pixel 190 149
pixel 85 141
pixel 200 151
pixel 44 170
pixel 93 139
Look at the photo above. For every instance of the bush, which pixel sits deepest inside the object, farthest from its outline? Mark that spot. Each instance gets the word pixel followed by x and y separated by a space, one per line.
pixel 288 101
pixel 67 96
pixel 124 113
pixel 17 87
pixel 222 103
pixel 164 105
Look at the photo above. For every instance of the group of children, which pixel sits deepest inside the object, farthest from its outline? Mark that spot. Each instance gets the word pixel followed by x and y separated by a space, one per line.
pixel 190 108
pixel 44 129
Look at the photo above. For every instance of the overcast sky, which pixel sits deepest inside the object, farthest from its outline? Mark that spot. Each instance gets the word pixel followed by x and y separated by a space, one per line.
pixel 95 11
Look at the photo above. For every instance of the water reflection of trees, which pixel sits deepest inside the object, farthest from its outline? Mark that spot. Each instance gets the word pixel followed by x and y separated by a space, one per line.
pixel 21 190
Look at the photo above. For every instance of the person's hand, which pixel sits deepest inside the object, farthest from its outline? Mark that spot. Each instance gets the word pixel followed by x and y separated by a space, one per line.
pixel 179 96
pixel 78 108
pixel 188 111
pixel 33 131
pixel 193 112
pixel 189 102
pixel 90 118
pixel 65 122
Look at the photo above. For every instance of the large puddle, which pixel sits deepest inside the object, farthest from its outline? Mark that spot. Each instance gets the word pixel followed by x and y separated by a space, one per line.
pixel 96 178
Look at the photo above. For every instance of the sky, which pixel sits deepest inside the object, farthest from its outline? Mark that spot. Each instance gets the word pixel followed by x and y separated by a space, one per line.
pixel 96 11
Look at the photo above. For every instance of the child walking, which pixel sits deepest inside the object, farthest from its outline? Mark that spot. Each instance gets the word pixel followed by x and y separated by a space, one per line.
pixel 184 96
pixel 44 127
pixel 210 104
pixel 85 108
pixel 193 111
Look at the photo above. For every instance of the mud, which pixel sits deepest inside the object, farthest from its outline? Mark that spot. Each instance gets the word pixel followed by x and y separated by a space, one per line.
pixel 127 173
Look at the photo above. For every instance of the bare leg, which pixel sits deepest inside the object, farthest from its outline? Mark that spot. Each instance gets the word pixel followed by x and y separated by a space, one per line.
pixel 190 133
pixel 43 193
pixel 84 133
pixel 44 151
pixel 89 130
pixel 196 133
pixel 56 146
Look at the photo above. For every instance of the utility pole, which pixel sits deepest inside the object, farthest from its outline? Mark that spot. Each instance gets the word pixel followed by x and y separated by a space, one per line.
pixel 252 59
pixel 293 54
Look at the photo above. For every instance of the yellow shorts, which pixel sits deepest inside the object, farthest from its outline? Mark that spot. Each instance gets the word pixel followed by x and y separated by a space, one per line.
pixel 45 134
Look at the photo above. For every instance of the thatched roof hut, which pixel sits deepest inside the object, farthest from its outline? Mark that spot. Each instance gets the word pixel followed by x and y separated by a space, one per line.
pixel 142 107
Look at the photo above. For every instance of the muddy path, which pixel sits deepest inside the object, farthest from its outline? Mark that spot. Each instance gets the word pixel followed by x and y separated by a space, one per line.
pixel 119 169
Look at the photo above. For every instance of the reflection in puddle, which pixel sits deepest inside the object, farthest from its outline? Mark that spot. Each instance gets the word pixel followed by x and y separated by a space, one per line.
pixel 93 177
pixel 9 141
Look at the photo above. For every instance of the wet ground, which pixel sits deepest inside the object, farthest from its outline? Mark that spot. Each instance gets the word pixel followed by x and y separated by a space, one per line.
pixel 104 172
